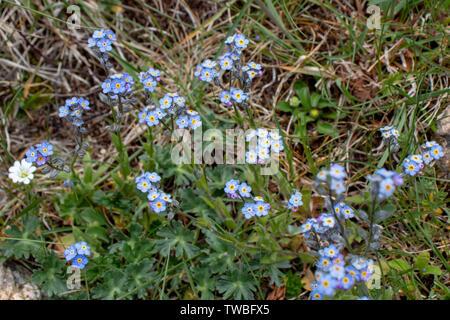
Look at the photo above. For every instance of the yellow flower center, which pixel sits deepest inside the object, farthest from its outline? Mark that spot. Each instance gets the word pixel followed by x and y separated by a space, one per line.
pixel 24 174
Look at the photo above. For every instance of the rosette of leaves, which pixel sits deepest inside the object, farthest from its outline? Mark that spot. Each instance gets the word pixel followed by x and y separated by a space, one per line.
pixel 311 108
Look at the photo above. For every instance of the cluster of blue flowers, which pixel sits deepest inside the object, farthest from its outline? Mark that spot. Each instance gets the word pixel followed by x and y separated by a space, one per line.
pixel 40 153
pixel 102 40
pixel 206 71
pixel 385 182
pixel 149 182
pixel 323 223
pixel 149 79
pixel 390 135
pixel 209 71
pixel 119 84
pixel 77 254
pixel 234 188
pixel 414 163
pixel 295 200
pixel 172 104
pixel 332 274
pixel 252 69
pixel 343 210
pixel 432 151
pixel 334 178
pixel 73 110
pixel 389 132
pixel 261 144
pixel 233 94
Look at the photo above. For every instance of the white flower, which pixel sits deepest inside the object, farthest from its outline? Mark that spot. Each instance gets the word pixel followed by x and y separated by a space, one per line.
pixel 22 172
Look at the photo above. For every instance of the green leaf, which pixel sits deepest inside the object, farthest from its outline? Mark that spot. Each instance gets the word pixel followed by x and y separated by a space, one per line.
pixel 302 91
pixel 176 238
pixel 97 232
pixel 284 106
pixel 25 241
pixel 141 277
pixel 432 270
pixel 238 284
pixel 315 98
pixel 205 281
pixel 399 265
pixel 422 260
pixel 93 216
pixel 306 257
pixel 112 287
pixel 326 128
pixel 50 277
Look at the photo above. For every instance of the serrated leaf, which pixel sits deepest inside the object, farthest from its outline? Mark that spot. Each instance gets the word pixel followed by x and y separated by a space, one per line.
pixel 112 287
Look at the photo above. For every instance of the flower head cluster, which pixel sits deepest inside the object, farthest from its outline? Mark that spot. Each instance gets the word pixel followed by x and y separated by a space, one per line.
pixel 211 71
pixel 172 104
pixel 148 182
pixel 295 201
pixel 332 274
pixel 333 178
pixel 233 95
pixel 39 153
pixel 206 71
pixel 384 183
pixel 343 210
pixel 390 135
pixel 322 224
pixel 22 172
pixel 389 132
pixel 119 84
pixel 73 109
pixel 101 40
pixel 234 188
pixel 149 79
pixel 237 42
pixel 262 143
pixel 414 163
pixel 432 151
pixel 77 254
pixel 252 70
